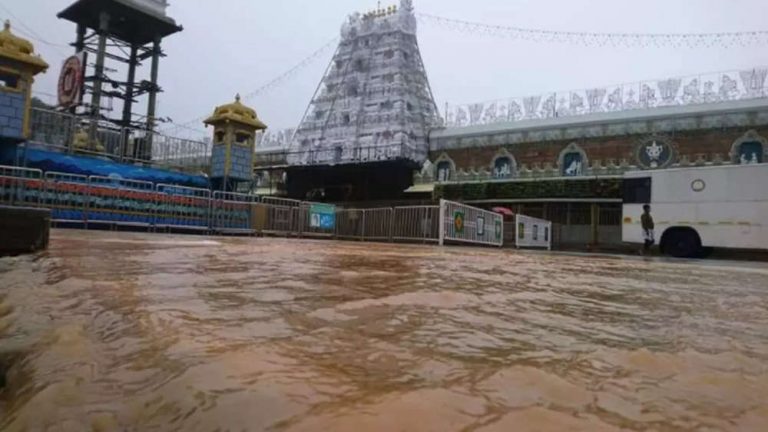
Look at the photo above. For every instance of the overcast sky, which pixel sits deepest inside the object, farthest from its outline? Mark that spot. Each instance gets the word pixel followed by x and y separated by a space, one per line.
pixel 231 46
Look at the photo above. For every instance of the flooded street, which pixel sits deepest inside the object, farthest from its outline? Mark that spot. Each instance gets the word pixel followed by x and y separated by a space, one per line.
pixel 124 331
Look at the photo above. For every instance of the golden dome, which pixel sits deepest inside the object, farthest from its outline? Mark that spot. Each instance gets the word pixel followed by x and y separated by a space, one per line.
pixel 21 50
pixel 235 112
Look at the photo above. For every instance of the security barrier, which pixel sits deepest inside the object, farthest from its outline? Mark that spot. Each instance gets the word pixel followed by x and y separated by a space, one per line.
pixel 533 232
pixel 416 224
pixel 377 224
pixel 231 213
pixel 114 202
pixel 465 224
pixel 349 224
pixel 120 202
pixel 181 207
pixel 275 220
pixel 22 187
pixel 67 196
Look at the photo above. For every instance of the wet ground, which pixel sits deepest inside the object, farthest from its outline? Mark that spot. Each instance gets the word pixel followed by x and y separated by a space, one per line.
pixel 119 331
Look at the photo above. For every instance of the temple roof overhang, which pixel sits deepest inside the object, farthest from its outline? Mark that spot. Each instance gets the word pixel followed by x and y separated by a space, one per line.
pixel 657 119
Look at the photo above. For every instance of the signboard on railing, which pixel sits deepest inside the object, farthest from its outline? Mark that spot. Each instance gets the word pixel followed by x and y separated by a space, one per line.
pixel 322 216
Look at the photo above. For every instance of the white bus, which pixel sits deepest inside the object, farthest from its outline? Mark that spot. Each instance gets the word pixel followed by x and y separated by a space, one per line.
pixel 698 208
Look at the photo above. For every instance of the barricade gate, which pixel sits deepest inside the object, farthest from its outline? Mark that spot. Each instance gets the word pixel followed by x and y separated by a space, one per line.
pixel 349 224
pixel 465 224
pixel 533 232
pixel 416 224
pixel 67 196
pixel 120 202
pixel 21 186
pixel 377 224
pixel 182 207
pixel 232 213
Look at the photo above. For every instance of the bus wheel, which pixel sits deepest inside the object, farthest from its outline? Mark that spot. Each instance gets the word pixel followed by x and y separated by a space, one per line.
pixel 681 243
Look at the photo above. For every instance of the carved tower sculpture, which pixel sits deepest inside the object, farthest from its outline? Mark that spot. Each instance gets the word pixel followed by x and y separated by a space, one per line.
pixel 374 102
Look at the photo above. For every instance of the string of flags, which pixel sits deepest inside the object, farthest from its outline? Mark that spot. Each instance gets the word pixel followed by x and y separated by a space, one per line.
pixel 598 39
pixel 271 84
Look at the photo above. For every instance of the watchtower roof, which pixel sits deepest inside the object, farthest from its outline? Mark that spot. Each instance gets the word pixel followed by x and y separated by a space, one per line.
pixel 134 21
pixel 235 112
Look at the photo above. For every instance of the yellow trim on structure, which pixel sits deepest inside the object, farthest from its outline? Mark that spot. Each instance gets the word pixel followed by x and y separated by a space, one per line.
pixel 25 127
pixel 21 51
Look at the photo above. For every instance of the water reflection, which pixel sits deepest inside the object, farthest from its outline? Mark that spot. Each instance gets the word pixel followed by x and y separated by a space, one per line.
pixel 113 331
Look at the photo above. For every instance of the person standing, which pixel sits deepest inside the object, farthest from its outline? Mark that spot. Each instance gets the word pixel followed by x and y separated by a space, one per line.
pixel 646 221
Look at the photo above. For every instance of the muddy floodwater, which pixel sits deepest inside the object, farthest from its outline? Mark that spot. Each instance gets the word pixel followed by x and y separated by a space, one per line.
pixel 149 332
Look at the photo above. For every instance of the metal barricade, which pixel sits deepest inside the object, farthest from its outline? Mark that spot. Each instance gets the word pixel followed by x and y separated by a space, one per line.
pixel 533 232
pixel 377 224
pixel 122 202
pixel 232 213
pixel 21 186
pixel 461 223
pixel 67 196
pixel 349 224
pixel 276 220
pixel 181 207
pixel 416 224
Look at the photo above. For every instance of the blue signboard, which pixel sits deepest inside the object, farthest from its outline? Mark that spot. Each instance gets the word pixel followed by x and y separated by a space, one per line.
pixel 322 216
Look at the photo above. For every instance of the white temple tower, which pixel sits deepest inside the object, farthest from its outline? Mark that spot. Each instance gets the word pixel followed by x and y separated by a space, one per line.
pixel 374 102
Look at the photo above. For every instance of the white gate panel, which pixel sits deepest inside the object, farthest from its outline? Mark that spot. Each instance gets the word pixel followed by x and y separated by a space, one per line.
pixel 533 232
pixel 465 224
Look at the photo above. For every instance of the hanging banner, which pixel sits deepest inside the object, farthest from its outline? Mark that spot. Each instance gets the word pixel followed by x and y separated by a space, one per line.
pixel 71 81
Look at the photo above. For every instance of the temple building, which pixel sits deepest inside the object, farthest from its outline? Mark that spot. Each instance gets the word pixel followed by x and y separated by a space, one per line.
pixel 366 127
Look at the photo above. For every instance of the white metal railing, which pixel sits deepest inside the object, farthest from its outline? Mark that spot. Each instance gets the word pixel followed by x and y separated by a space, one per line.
pixel 461 223
pixel 688 90
pixel 416 224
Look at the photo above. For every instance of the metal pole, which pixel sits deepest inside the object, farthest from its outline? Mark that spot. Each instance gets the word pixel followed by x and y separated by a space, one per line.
pixel 442 222
pixel 128 105
pixel 595 222
pixel 96 98
pixel 152 103
pixel 80 47
pixel 362 228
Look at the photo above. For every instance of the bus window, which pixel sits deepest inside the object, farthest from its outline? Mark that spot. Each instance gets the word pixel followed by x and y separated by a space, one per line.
pixel 637 190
